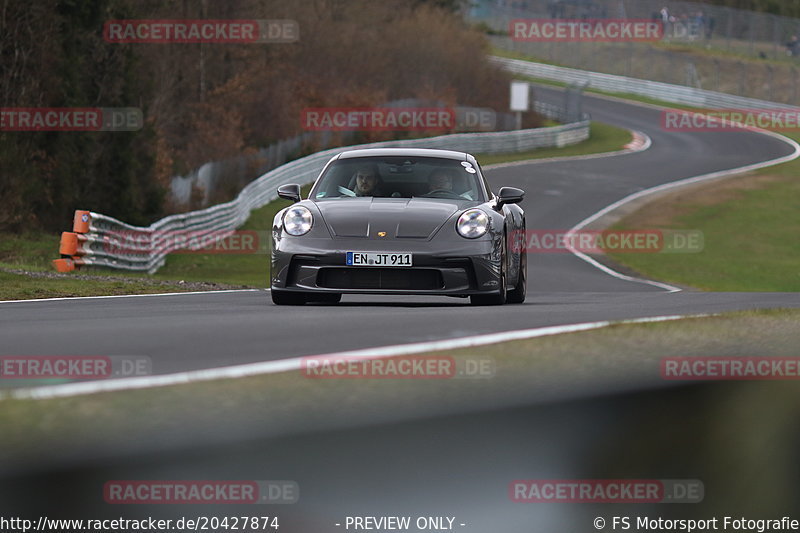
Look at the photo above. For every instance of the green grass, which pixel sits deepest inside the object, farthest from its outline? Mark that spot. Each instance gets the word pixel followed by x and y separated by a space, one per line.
pixel 751 238
pixel 31 251
pixel 717 47
pixel 21 287
pixel 241 269
pixel 602 138
pixel 553 83
pixel 720 70
pixel 35 251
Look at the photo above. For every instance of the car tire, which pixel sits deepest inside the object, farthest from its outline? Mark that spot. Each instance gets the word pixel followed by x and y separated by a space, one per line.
pixel 287 298
pixel 518 293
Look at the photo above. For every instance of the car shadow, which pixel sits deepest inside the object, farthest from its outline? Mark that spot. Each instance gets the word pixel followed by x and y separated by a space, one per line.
pixel 391 304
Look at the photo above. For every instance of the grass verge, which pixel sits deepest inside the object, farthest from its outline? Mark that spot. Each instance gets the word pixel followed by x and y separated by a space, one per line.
pixel 26 287
pixel 750 227
pixel 542 81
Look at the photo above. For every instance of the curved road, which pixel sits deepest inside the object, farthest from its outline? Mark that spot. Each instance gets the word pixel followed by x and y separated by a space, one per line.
pixel 197 331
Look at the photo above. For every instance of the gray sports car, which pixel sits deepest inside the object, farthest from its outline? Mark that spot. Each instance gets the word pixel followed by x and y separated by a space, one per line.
pixel 399 221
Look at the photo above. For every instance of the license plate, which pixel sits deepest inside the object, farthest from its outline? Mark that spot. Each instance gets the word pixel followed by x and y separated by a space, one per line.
pixel 378 259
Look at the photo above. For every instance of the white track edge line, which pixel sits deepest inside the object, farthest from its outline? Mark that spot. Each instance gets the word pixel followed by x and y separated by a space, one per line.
pixel 670 185
pixel 296 363
pixel 64 298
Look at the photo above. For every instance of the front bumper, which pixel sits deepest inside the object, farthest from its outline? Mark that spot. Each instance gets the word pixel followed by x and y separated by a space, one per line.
pixel 451 268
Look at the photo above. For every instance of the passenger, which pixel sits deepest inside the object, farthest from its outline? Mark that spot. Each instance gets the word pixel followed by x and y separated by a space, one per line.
pixel 441 180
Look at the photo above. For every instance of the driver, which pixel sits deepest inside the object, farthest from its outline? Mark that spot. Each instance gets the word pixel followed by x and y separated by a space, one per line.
pixel 367 181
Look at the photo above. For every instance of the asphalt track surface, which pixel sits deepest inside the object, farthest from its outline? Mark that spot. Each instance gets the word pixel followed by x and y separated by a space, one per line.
pixel 199 331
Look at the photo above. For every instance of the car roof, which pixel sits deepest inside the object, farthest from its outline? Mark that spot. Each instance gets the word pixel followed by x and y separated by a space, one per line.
pixel 412 152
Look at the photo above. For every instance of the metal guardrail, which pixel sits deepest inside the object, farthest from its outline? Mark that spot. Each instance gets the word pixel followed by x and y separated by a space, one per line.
pixel 676 94
pixel 101 240
pixel 214 177
pixel 723 28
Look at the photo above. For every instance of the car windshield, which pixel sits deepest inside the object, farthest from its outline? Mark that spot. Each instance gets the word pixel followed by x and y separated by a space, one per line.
pixel 400 177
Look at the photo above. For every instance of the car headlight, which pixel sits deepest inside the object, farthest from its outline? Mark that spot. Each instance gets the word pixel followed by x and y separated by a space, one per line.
pixel 472 223
pixel 297 220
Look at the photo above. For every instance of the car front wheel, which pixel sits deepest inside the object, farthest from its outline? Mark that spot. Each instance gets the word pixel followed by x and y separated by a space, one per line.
pixel 517 294
pixel 280 297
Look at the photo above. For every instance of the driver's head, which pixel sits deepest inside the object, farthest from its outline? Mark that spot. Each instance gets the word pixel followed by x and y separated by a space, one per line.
pixel 441 180
pixel 366 180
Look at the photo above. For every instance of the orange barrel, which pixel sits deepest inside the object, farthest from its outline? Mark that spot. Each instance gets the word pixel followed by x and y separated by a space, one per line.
pixel 80 224
pixel 69 243
pixel 64 265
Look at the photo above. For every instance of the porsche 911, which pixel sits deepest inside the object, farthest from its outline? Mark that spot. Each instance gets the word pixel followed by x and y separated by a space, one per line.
pixel 399 221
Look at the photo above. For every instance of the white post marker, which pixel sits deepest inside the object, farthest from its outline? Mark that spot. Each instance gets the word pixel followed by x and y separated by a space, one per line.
pixel 519 99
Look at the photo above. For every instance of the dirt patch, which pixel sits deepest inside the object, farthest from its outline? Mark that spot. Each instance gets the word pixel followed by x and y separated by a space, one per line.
pixel 187 285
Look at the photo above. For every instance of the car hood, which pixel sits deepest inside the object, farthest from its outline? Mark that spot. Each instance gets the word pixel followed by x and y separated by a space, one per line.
pixel 409 218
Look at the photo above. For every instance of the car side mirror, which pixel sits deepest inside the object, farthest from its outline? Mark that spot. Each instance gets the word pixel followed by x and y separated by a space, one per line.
pixel 509 195
pixel 290 191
